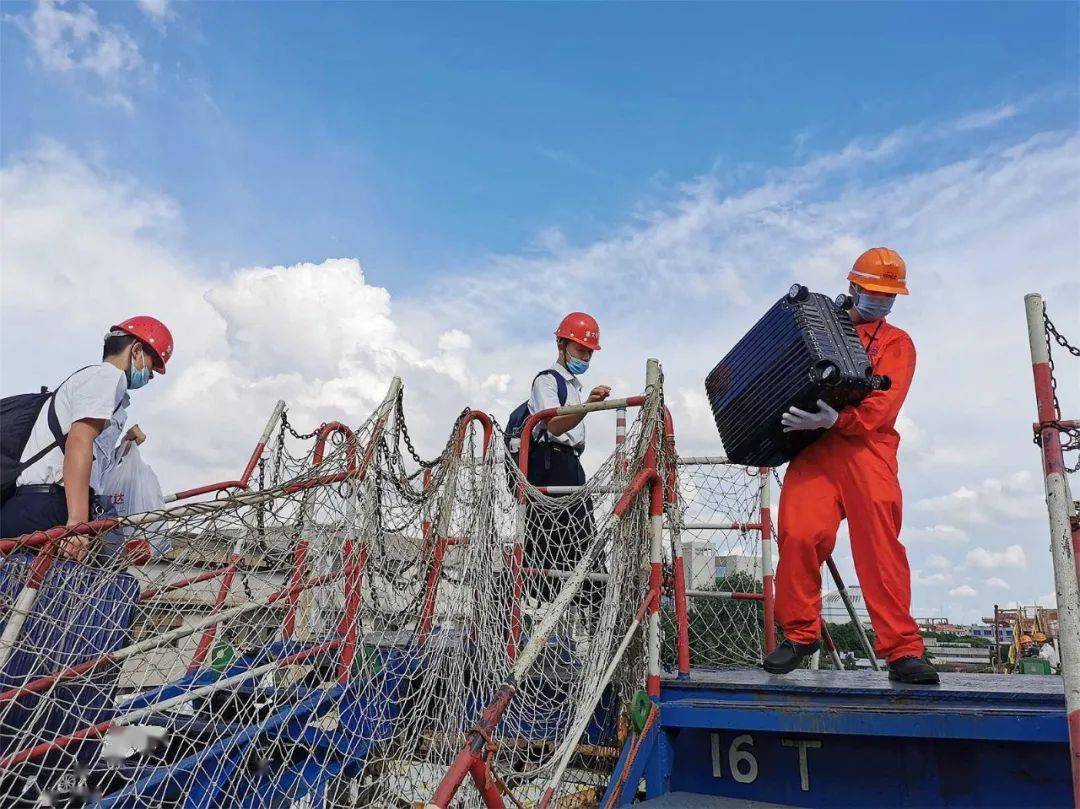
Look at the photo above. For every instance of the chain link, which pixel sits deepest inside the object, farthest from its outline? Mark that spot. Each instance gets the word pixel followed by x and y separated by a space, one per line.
pixel 403 432
pixel 1073 433
pixel 285 425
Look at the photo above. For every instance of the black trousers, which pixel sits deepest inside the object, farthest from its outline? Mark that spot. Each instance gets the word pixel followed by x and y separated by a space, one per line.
pixel 27 511
pixel 555 538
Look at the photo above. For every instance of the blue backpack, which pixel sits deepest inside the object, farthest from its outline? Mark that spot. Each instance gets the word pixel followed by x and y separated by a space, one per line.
pixel 516 423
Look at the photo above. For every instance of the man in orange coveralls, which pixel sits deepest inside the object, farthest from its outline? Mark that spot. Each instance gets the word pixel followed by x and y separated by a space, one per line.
pixel 850 472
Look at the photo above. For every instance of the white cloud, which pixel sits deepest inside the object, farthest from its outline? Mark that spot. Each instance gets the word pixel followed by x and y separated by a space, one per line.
pixel 939 533
pixel 1012 557
pixel 70 38
pixel 963 591
pixel 932 580
pixel 938 562
pixel 680 282
pixel 318 335
pixel 158 11
pixel 999 584
pixel 985 118
pixel 992 500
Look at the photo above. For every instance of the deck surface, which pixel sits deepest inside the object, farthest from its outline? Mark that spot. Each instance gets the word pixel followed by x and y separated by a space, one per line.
pixel 972 706
pixel 1023 687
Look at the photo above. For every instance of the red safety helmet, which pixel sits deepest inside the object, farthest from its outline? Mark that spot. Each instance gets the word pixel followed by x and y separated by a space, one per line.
pixel 151 332
pixel 581 329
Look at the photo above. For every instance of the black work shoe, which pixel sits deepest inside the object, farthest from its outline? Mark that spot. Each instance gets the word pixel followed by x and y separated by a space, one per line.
pixel 787 656
pixel 913 670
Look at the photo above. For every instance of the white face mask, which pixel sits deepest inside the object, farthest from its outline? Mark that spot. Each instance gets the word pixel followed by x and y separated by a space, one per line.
pixel 138 377
pixel 871 306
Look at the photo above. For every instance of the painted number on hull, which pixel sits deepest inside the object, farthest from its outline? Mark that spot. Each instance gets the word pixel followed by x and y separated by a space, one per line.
pixel 741 763
pixel 743 766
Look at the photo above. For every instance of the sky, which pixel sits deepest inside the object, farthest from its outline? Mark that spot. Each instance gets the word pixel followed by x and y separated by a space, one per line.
pixel 316 197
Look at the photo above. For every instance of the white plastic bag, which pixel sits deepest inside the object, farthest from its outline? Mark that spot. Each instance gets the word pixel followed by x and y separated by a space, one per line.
pixel 129 486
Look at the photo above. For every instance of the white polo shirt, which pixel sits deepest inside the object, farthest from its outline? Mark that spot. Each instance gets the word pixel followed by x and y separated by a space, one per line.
pixel 545 394
pixel 97 392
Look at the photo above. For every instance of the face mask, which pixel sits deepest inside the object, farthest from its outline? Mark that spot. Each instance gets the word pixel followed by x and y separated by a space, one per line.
pixel 871 306
pixel 136 379
pixel 575 366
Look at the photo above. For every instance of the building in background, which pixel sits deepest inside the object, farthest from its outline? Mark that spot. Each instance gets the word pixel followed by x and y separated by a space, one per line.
pixel 834 611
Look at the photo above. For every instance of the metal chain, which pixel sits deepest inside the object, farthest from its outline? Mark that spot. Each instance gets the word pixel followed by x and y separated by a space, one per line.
pixel 1073 443
pixel 285 425
pixel 403 432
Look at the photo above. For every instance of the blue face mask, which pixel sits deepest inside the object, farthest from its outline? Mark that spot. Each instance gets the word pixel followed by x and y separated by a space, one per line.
pixel 136 379
pixel 871 306
pixel 575 366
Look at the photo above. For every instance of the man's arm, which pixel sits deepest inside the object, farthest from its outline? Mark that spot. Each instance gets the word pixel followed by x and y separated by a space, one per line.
pixel 557 425
pixel 78 460
pixel 879 408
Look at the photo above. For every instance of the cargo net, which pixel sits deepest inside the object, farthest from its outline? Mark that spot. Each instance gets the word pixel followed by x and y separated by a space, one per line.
pixel 331 635
pixel 716 516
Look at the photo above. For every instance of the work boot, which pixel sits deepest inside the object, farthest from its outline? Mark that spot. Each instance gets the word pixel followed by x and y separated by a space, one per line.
pixel 913 670
pixel 787 656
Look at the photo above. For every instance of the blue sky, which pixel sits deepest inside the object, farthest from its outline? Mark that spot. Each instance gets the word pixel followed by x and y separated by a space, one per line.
pixel 426 136
pixel 318 196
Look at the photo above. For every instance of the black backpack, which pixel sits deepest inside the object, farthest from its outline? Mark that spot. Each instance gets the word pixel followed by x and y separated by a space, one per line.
pixel 18 415
pixel 516 423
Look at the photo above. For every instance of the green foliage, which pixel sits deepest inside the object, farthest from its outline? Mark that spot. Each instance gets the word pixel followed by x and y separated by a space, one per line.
pixel 846 638
pixel 722 632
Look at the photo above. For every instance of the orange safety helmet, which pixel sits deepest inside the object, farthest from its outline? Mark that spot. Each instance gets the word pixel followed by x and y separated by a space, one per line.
pixel 151 332
pixel 581 329
pixel 880 269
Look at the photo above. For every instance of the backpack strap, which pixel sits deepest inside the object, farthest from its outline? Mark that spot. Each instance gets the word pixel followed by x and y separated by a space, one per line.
pixel 560 384
pixel 561 392
pixel 59 436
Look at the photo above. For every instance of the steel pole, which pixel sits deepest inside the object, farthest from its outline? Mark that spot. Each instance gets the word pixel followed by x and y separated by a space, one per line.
pixel 860 630
pixel 1064 537
pixel 765 518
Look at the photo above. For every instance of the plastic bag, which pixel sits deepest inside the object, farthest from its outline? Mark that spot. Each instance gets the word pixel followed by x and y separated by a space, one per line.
pixel 129 486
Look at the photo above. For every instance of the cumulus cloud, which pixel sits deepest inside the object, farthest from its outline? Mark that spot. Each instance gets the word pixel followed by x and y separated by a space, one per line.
pixel 963 591
pixel 1012 557
pixel 931 580
pixel 996 583
pixel 941 532
pixel 992 500
pixel 316 334
pixel 938 562
pixel 68 38
pixel 682 281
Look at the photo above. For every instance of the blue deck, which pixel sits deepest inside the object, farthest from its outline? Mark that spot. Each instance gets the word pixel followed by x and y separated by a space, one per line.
pixel 855 739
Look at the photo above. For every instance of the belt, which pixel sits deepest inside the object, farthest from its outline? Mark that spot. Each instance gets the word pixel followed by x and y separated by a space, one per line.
pixel 558 446
pixel 41 488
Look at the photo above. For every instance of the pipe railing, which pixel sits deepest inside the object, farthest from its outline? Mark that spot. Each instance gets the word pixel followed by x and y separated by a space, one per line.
pixel 442 541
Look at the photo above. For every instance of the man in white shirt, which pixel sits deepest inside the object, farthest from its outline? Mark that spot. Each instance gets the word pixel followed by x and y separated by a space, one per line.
pixel 56 487
pixel 555 539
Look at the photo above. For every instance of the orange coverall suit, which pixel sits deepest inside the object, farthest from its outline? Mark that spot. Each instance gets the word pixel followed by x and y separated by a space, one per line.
pixel 851 472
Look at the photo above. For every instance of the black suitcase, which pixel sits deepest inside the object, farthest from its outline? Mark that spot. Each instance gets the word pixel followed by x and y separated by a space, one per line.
pixel 805 348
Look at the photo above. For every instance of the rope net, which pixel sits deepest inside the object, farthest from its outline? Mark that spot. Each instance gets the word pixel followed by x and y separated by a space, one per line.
pixel 331 635
pixel 716 517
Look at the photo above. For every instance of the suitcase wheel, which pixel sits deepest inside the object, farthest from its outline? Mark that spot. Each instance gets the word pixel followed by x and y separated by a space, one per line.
pixel 798 293
pixel 844 302
pixel 826 373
